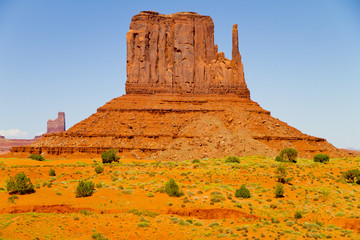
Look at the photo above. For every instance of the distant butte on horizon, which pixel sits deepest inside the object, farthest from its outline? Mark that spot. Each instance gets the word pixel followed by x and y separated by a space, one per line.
pixel 183 100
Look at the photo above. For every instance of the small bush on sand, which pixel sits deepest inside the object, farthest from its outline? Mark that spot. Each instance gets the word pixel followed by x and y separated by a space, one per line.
pixel 279 159
pixel 99 169
pixel 172 189
pixel 279 190
pixel 98 236
pixel 280 175
pixel 85 189
pixel 232 159
pixel 297 215
pixel 109 156
pixel 242 192
pixel 37 157
pixel 289 154
pixel 322 158
pixel 195 161
pixel 52 172
pixel 20 184
pixel 351 174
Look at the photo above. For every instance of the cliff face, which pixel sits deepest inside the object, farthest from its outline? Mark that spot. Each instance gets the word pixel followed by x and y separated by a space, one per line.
pixel 56 125
pixel 176 54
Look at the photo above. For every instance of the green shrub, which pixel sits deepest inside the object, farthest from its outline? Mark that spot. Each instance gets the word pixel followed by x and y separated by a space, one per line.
pixel 99 169
pixel 85 189
pixel 216 197
pixel 279 190
pixel 12 198
pixel 20 184
pixel 297 215
pixel 109 156
pixel 98 236
pixel 143 224
pixel 52 172
pixel 37 157
pixel 196 161
pixel 289 154
pixel 281 174
pixel 242 192
pixel 322 158
pixel 232 159
pixel 351 174
pixel 279 159
pixel 172 189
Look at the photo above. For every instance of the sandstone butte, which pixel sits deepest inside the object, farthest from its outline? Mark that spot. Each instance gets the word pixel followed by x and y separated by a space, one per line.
pixel 183 100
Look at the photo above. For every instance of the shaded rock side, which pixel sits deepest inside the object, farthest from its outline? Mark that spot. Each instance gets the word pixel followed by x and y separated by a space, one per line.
pixel 176 54
pixel 56 125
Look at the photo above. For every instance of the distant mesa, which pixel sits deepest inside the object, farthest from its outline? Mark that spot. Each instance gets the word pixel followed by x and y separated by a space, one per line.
pixel 56 125
pixel 53 126
pixel 183 100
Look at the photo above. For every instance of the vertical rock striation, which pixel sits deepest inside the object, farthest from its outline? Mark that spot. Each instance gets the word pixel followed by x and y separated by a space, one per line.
pixel 176 54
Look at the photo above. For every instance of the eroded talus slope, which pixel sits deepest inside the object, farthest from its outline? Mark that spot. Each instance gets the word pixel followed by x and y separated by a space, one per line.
pixel 181 127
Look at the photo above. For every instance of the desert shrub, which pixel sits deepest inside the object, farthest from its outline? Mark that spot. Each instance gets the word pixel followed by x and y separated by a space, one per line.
pixel 37 157
pixel 109 156
pixel 98 236
pixel 281 174
pixel 12 198
pixel 172 189
pixel 85 189
pixel 20 184
pixel 232 159
pixel 143 224
pixel 279 159
pixel 297 215
pixel 322 158
pixel 242 192
pixel 196 161
pixel 351 174
pixel 52 172
pixel 99 169
pixel 289 154
pixel 279 190
pixel 216 197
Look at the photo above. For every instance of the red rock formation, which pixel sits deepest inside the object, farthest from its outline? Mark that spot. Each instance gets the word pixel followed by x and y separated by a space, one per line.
pixel 56 125
pixel 7 144
pixel 184 100
pixel 176 54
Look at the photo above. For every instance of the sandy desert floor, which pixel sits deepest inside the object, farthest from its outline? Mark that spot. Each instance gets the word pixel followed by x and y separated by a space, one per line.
pixel 128 202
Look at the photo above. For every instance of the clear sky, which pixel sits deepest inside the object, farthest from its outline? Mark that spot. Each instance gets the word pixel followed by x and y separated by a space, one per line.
pixel 301 59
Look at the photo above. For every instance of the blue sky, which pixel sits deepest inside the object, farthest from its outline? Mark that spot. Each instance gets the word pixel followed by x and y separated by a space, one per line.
pixel 301 59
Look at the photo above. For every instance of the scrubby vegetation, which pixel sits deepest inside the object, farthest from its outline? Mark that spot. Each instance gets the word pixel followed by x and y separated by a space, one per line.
pixel 37 157
pixel 351 175
pixel 99 169
pixel 322 158
pixel 242 192
pixel 21 184
pixel 52 172
pixel 172 189
pixel 213 202
pixel 289 154
pixel 232 159
pixel 85 189
pixel 281 173
pixel 279 190
pixel 110 156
